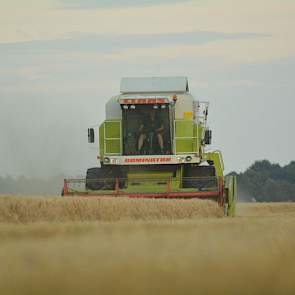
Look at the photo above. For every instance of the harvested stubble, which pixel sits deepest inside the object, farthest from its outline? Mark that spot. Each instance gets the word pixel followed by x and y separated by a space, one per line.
pixel 27 210
pixel 266 209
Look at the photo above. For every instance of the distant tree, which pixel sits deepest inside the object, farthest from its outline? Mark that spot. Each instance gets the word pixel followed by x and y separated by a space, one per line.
pixel 267 182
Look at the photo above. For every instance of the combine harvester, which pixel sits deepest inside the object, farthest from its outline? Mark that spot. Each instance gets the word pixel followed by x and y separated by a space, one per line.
pixel 153 145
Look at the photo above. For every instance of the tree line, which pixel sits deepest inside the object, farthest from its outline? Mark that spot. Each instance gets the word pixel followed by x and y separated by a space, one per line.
pixel 267 182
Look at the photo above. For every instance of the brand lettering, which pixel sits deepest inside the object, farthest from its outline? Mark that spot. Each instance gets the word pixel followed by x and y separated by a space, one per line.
pixel 147 160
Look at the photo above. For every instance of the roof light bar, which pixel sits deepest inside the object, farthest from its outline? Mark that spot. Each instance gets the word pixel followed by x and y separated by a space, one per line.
pixel 143 100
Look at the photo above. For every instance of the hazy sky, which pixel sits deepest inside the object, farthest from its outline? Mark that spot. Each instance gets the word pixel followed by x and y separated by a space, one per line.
pixel 60 60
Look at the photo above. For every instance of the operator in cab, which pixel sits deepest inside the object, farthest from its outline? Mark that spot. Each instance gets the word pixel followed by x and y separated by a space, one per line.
pixel 151 129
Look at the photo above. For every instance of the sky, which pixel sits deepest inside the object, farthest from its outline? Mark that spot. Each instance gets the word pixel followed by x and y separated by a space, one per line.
pixel 61 60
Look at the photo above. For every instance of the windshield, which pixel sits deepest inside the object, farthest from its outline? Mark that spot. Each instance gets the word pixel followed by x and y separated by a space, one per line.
pixel 146 130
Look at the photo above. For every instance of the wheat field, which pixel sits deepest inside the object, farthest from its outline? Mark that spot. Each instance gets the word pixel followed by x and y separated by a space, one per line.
pixel 56 246
pixel 26 210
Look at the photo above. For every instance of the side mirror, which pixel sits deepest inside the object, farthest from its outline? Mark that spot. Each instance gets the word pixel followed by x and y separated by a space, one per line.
pixel 208 136
pixel 91 135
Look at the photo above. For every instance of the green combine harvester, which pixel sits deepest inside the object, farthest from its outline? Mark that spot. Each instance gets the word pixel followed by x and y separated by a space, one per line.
pixel 153 144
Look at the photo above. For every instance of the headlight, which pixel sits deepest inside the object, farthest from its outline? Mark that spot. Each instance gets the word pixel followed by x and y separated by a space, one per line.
pixel 188 158
pixel 107 160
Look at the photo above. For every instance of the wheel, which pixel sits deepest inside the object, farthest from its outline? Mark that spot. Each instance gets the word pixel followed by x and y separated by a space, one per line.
pixel 99 179
pixel 104 178
pixel 201 177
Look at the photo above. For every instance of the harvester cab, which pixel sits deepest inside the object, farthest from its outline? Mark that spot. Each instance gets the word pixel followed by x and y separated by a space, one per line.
pixel 153 144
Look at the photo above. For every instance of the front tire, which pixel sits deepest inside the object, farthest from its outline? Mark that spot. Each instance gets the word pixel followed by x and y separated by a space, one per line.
pixel 103 178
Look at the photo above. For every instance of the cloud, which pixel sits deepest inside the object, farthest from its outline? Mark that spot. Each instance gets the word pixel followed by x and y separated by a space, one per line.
pixel 103 43
pixel 94 4
pixel 68 57
pixel 265 16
